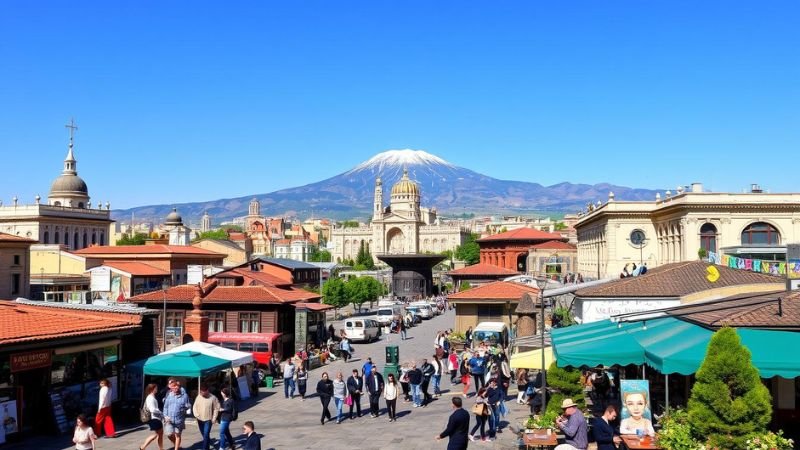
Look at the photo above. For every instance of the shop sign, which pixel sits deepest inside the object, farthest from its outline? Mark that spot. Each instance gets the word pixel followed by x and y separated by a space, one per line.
pixel 30 360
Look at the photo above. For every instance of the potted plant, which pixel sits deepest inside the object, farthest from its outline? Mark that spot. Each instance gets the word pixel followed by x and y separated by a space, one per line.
pixel 770 441
pixel 539 424
pixel 457 341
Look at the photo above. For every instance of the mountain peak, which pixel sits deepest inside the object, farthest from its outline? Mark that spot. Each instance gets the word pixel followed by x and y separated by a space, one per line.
pixel 394 159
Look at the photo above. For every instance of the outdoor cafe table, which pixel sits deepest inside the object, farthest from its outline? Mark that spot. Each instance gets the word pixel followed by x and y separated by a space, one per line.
pixel 633 443
pixel 535 440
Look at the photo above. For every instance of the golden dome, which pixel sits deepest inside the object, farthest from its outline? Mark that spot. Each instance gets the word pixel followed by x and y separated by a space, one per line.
pixel 405 186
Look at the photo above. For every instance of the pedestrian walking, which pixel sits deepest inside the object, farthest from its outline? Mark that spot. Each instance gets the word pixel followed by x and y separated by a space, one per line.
pixel 404 382
pixel 176 403
pixel 415 380
pixel 427 373
pixel 301 377
pixel 438 367
pixel 452 367
pixel 83 437
pixel 288 378
pixel 252 440
pixel 522 386
pixel 355 385
pixel 103 421
pixel 403 330
pixel 339 394
pixel 375 387
pixel 227 414
pixel 457 427
pixel 366 369
pixel 390 393
pixel 477 368
pixel 156 416
pixel 325 392
pixel 205 410
pixel 463 369
pixel 481 412
pixel 468 337
pixel 346 349
pixel 493 396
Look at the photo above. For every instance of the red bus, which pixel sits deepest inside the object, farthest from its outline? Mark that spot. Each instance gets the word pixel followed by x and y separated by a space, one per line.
pixel 261 345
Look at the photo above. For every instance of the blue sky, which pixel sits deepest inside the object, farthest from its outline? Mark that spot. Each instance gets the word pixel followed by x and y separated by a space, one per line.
pixel 188 101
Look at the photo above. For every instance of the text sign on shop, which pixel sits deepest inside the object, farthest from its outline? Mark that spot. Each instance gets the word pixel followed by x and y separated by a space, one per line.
pixel 30 360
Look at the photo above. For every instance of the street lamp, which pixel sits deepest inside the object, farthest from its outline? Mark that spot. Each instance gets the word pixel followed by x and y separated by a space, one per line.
pixel 164 288
pixel 541 283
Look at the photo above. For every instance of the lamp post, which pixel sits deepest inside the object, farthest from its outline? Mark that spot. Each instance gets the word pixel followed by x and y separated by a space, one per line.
pixel 541 283
pixel 164 288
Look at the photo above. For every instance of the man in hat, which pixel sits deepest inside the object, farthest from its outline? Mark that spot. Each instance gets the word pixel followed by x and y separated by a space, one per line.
pixel 573 425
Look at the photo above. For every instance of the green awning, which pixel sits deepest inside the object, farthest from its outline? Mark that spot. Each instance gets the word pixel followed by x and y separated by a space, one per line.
pixel 669 345
pixel 184 364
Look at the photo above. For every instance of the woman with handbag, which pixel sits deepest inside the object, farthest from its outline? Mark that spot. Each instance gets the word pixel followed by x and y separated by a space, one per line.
pixel 481 411
pixel 340 392
pixel 152 413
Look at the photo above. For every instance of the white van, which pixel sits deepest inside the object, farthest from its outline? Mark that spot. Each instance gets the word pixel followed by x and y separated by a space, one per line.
pixel 424 309
pixel 492 333
pixel 386 313
pixel 362 329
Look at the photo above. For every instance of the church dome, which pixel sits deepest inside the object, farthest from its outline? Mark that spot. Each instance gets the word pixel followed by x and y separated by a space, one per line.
pixel 405 186
pixel 69 184
pixel 174 219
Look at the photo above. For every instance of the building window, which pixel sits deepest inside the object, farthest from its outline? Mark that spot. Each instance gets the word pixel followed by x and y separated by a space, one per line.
pixel 94 238
pixel 708 237
pixel 760 233
pixel 216 321
pixel 490 313
pixel 175 320
pixel 102 238
pixel 57 238
pixel 85 240
pixel 249 322
pixel 15 277
pixel 46 238
pixel 17 259
pixel 75 241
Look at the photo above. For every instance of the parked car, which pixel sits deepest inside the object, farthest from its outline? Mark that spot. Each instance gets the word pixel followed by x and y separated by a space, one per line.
pixel 362 329
pixel 386 313
pixel 424 309
pixel 492 333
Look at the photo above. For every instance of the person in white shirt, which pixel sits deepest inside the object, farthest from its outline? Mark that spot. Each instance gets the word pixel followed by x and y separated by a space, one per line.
pixel 102 421
pixel 156 416
pixel 390 392
pixel 84 436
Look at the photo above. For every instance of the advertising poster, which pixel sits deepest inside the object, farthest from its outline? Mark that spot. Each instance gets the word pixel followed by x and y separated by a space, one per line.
pixel 244 389
pixel 636 409
pixel 8 412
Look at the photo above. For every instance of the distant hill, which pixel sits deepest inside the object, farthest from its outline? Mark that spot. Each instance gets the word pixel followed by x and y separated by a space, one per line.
pixel 449 188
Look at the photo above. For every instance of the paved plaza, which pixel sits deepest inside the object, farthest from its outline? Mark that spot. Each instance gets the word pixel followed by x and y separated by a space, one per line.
pixel 294 424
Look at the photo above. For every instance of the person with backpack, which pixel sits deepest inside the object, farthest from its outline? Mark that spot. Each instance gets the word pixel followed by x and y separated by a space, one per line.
pixel 463 369
pixel 227 414
pixel 477 368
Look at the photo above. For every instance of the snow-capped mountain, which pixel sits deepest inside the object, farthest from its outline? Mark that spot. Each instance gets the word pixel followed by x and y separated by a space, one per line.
pixel 449 188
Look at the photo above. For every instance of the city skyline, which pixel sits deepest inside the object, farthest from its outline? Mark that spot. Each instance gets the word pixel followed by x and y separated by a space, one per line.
pixel 276 96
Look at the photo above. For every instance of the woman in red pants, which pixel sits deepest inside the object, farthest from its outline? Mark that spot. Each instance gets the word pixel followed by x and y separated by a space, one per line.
pixel 102 421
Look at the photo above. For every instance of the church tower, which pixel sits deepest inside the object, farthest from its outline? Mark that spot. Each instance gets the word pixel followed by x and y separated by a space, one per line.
pixel 205 225
pixel 377 211
pixel 69 189
pixel 255 207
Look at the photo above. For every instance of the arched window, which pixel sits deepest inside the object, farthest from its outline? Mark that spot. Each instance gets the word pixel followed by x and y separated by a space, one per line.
pixel 85 240
pixel 94 238
pixel 75 241
pixel 46 237
pixel 708 237
pixel 57 238
pixel 760 233
pixel 102 238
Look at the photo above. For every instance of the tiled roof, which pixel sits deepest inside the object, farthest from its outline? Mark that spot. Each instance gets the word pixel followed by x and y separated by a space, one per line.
pixel 746 311
pixel 313 306
pixel 288 263
pixel 283 242
pixel 236 236
pixel 676 280
pixel 137 268
pixel 483 269
pixel 554 245
pixel 20 323
pixel 229 294
pixel 146 250
pixel 224 242
pixel 522 234
pixel 499 290
pixel 5 237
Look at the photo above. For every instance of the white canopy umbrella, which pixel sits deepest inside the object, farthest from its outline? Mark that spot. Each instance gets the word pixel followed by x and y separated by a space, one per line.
pixel 236 357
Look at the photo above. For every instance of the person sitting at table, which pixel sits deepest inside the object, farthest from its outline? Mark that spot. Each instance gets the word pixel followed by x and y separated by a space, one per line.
pixel 603 431
pixel 573 424
pixel 636 404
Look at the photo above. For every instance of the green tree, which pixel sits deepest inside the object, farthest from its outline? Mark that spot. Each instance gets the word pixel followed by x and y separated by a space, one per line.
pixel 728 403
pixel 319 255
pixel 333 293
pixel 560 226
pixel 350 224
pixel 464 286
pixel 137 239
pixel 212 234
pixel 358 291
pixel 469 251
pixel 565 382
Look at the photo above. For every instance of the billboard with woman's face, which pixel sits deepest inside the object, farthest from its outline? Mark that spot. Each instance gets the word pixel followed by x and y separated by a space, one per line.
pixel 636 409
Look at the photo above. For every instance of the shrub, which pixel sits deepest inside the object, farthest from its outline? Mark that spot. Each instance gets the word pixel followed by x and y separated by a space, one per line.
pixel 728 403
pixel 564 383
pixel 770 441
pixel 676 433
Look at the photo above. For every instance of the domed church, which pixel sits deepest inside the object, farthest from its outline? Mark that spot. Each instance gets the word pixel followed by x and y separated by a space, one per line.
pixel 68 217
pixel 401 228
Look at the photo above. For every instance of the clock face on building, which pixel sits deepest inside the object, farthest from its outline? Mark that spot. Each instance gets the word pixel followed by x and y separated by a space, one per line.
pixel 637 238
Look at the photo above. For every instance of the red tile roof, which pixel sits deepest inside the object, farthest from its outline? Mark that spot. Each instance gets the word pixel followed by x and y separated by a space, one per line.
pixel 554 245
pixel 5 237
pixel 236 236
pixel 676 280
pixel 499 290
pixel 28 323
pixel 746 311
pixel 313 306
pixel 229 294
pixel 483 269
pixel 283 242
pixel 137 268
pixel 146 250
pixel 522 234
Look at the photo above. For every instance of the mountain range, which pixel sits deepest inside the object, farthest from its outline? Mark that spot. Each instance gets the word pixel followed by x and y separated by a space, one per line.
pixel 451 189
